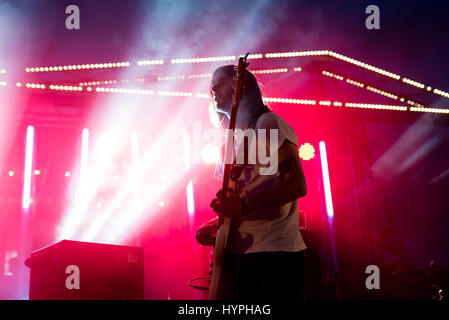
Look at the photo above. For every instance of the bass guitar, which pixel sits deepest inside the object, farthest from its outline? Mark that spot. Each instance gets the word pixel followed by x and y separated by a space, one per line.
pixel 224 223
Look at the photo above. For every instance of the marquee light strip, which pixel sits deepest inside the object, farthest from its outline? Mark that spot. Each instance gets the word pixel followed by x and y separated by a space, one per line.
pixel 79 67
pixel 381 92
pixel 415 104
pixel 149 62
pixel 441 93
pixel 413 83
pixel 251 56
pixel 199 60
pixel 364 65
pixel 292 101
pixel 432 110
pixel 297 54
pixel 375 106
pixel 265 71
pixel 372 89
pixel 265 99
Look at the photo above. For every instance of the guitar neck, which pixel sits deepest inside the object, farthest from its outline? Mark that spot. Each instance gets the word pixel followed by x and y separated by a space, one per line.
pixel 229 150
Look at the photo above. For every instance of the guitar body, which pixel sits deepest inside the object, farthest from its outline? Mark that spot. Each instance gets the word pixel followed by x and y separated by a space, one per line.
pixel 224 224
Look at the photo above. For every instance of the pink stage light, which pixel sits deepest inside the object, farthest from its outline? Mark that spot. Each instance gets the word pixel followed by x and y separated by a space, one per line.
pixel 189 188
pixel 190 201
pixel 26 200
pixel 326 181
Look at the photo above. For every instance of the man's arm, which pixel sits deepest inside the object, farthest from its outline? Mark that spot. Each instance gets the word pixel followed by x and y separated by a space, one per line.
pixel 291 186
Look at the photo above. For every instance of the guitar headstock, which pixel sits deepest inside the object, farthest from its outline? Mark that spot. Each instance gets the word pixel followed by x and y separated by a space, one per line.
pixel 239 78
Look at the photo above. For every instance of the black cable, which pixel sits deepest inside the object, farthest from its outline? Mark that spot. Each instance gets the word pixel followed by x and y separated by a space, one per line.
pixel 199 287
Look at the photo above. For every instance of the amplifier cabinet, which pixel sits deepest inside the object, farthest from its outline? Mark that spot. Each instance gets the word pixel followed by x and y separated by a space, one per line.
pixel 75 270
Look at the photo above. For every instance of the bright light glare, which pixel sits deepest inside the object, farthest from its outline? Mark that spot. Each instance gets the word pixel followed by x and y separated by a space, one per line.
pixel 210 154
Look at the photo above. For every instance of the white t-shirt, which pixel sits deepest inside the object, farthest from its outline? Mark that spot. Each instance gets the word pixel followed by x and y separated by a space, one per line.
pixel 282 232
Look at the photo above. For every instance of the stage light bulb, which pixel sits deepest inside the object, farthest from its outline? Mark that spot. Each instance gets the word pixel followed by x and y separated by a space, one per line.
pixel 306 151
pixel 210 153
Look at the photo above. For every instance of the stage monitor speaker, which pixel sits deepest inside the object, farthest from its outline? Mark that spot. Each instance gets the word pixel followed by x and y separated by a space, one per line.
pixel 74 270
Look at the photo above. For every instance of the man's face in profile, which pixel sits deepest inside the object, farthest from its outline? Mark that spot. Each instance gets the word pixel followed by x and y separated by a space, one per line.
pixel 222 90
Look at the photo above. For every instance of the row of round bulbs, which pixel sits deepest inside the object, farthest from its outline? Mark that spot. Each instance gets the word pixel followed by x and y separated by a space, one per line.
pixel 417 107
pixel 79 67
pixel 197 60
pixel 11 173
pixel 384 93
pixel 375 106
pixel 294 101
pixel 251 56
pixel 266 71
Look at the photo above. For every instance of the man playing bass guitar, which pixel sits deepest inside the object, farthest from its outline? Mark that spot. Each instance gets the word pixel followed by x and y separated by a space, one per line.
pixel 264 254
